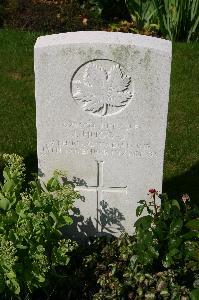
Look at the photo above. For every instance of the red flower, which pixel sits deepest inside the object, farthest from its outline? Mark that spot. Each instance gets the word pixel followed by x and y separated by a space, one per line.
pixel 152 191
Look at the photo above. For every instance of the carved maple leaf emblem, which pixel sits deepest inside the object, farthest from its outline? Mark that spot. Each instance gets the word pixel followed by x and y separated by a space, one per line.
pixel 102 88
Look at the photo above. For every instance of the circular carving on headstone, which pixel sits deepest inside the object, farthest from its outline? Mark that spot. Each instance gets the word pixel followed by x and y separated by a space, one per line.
pixel 101 87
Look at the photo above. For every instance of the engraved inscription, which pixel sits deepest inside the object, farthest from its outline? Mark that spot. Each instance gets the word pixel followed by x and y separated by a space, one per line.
pixel 104 139
pixel 93 148
pixel 100 188
pixel 101 87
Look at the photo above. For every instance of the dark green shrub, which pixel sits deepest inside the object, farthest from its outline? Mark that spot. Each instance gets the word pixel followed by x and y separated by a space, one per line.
pixel 31 241
pixel 161 260
pixel 173 19
pixel 143 14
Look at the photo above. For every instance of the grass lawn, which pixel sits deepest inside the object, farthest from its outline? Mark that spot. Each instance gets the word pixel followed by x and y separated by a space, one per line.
pixel 17 107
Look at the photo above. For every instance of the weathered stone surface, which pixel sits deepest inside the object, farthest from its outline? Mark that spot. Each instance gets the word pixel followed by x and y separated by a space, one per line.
pixel 102 101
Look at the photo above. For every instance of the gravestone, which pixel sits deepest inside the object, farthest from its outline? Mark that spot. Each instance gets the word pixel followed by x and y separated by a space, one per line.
pixel 101 105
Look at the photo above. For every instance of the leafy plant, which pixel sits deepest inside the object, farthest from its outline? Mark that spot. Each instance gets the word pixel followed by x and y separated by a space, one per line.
pixel 161 260
pixel 179 20
pixel 139 17
pixel 31 241
pixel 173 19
pixel 143 14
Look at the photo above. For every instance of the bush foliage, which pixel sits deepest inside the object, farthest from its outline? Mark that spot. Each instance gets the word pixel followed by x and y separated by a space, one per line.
pixel 159 261
pixel 31 243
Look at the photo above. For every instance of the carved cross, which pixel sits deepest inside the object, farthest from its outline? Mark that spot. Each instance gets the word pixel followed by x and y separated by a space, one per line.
pixel 100 188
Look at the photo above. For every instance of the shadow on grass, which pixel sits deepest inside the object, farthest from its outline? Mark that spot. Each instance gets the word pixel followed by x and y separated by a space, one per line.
pixel 187 182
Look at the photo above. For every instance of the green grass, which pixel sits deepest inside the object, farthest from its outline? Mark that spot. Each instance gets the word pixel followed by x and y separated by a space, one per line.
pixel 181 168
pixel 17 107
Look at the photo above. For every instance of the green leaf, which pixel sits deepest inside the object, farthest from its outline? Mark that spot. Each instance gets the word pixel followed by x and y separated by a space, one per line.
pixel 142 201
pixel 8 187
pixel 41 278
pixel 190 235
pixel 139 210
pixel 193 224
pixel 173 252
pixel 150 296
pixel 174 243
pixel 175 203
pixel 166 209
pixel 144 222
pixel 20 209
pixel 52 215
pixel 53 184
pixel 194 294
pixel 167 262
pixel 20 246
pixel 152 250
pixel 176 225
pixel 68 220
pixel 6 173
pixel 196 283
pixel 113 270
pixel 133 261
pixel 4 203
pixel 12 282
pixel 164 293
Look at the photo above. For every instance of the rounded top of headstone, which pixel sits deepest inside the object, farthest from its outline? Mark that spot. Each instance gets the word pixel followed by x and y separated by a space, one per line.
pixel 103 37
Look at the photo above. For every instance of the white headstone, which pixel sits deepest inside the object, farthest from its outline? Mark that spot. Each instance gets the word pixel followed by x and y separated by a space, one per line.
pixel 101 104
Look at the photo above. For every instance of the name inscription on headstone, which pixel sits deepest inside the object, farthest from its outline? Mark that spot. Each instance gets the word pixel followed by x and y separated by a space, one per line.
pixel 109 140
